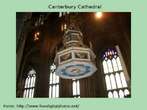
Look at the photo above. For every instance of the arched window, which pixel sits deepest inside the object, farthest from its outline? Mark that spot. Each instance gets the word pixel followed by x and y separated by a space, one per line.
pixel 115 94
pixel 118 80
pixel 113 83
pixel 30 84
pixel 116 83
pixel 53 83
pixel 76 88
pixel 108 83
pixel 126 92
pixel 121 94
pixel 110 95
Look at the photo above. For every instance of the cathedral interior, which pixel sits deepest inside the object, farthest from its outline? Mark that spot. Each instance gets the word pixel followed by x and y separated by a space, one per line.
pixel 101 43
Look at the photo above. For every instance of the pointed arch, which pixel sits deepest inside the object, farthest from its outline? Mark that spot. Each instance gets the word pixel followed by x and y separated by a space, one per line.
pixel 29 86
pixel 76 88
pixel 116 84
pixel 53 83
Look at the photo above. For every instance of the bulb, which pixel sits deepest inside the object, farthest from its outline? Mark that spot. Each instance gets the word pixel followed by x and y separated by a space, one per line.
pixel 98 15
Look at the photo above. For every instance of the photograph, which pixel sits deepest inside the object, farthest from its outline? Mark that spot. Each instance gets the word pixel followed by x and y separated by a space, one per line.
pixel 73 55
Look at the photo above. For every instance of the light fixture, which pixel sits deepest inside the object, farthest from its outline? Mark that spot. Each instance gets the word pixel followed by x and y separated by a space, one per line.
pixel 75 60
pixel 36 36
pixel 98 15
pixel 63 27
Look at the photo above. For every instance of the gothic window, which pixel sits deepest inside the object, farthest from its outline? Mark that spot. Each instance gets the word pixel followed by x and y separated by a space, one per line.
pixel 76 88
pixel 30 84
pixel 53 83
pixel 115 80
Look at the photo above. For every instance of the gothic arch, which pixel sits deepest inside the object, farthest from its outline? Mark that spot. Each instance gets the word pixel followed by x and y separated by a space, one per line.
pixel 26 65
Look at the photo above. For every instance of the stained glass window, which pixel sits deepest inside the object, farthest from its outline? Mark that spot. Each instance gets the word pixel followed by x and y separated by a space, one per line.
pixel 116 84
pixel 30 84
pixel 53 83
pixel 76 88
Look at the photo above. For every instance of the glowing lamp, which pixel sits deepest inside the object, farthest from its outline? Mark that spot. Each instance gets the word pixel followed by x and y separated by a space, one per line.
pixel 75 60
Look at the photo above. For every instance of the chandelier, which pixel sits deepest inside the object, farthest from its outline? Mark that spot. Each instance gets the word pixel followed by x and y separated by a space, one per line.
pixel 75 60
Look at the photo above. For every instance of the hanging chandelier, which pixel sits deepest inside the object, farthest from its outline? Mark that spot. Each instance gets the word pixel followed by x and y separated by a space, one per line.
pixel 75 60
